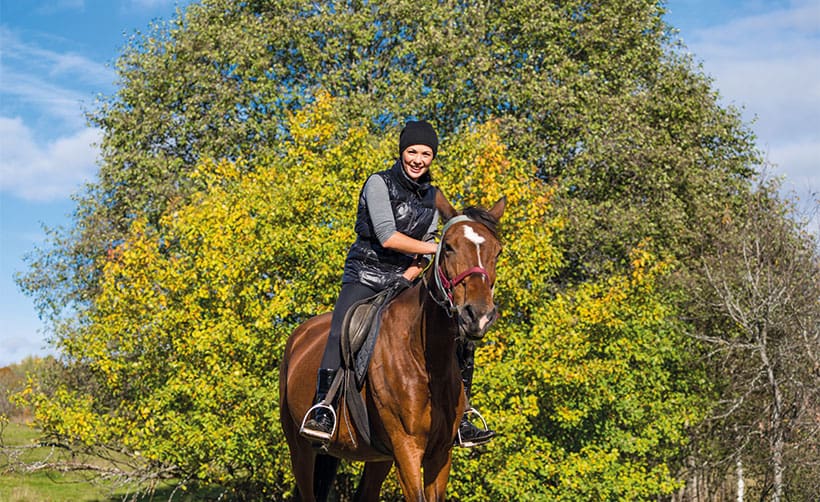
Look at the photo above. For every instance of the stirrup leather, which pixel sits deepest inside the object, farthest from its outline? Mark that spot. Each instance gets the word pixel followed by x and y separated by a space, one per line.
pixel 314 434
pixel 473 411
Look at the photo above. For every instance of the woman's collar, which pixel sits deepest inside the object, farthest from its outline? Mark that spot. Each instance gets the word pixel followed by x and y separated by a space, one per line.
pixel 401 175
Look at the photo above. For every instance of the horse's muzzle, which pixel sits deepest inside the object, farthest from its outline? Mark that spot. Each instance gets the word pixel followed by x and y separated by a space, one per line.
pixel 475 319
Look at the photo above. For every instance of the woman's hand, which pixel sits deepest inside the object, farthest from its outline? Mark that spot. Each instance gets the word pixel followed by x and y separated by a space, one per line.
pixel 418 266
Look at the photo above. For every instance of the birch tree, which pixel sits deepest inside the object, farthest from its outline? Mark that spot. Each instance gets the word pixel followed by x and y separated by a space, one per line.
pixel 762 285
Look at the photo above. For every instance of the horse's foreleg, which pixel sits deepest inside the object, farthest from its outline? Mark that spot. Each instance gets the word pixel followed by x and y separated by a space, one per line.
pixel 370 484
pixel 408 465
pixel 436 474
pixel 302 456
pixel 302 459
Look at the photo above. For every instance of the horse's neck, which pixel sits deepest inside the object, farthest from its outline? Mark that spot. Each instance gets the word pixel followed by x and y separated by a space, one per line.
pixel 438 332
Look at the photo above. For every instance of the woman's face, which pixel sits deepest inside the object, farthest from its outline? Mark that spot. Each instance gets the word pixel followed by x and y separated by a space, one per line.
pixel 416 160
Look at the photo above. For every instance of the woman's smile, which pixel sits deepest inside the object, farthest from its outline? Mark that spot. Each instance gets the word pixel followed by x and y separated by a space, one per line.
pixel 416 160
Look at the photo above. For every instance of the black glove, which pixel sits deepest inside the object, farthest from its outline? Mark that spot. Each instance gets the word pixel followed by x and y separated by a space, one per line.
pixel 401 283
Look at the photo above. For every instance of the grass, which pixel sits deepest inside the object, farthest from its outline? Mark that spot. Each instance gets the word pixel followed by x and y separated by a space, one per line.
pixel 53 486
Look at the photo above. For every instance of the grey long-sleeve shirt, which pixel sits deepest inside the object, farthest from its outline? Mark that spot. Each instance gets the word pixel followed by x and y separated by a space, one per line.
pixel 381 212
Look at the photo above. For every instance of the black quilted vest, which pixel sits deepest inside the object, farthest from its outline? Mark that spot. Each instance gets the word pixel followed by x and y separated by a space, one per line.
pixel 413 205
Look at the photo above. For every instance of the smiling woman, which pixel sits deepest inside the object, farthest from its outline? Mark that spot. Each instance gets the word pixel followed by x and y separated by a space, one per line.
pixel 396 224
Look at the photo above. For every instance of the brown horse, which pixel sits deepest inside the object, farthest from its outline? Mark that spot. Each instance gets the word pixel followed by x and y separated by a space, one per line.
pixel 413 390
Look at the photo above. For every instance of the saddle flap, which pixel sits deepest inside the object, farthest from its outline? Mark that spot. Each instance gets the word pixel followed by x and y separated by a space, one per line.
pixel 361 327
pixel 358 323
pixel 356 326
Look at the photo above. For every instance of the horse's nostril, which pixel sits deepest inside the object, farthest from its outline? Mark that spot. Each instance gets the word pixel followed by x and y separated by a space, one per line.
pixel 471 316
pixel 478 315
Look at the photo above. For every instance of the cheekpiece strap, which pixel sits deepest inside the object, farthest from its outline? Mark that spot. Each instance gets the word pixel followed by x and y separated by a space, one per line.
pixel 439 274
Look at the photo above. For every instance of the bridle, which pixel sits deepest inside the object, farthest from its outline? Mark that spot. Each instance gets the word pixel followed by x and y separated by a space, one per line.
pixel 444 285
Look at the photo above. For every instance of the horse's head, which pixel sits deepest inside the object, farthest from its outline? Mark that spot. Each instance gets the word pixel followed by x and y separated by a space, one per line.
pixel 465 265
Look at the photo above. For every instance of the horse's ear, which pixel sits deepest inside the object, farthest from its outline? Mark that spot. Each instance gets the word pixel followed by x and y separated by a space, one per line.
pixel 498 209
pixel 444 207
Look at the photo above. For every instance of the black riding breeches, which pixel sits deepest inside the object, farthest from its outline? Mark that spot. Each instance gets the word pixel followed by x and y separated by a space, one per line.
pixel 351 293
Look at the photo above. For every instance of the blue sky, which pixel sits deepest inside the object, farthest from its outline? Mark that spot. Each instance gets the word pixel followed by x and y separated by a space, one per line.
pixel 56 56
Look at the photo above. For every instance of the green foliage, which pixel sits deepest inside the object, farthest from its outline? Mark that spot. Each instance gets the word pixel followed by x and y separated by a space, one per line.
pixel 658 161
pixel 182 342
pixel 13 380
pixel 231 158
pixel 590 393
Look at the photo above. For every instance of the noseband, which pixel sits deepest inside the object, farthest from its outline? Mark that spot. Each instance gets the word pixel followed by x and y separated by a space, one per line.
pixel 444 285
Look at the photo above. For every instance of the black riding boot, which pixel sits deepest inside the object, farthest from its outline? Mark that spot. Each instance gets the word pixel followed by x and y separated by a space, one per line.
pixel 468 434
pixel 320 427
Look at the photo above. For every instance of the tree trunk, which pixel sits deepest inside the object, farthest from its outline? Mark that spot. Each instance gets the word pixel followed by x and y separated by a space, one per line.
pixel 741 485
pixel 775 425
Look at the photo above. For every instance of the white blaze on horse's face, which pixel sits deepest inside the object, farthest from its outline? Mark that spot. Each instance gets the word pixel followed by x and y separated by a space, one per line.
pixel 476 239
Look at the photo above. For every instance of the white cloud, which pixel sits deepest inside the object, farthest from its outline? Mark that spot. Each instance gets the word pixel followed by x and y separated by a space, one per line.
pixel 46 172
pixel 50 100
pixel 46 150
pixel 20 57
pixel 768 64
pixel 793 21
pixel 59 86
pixel 800 162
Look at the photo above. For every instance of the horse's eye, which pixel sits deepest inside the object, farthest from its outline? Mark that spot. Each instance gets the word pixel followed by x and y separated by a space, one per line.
pixel 448 249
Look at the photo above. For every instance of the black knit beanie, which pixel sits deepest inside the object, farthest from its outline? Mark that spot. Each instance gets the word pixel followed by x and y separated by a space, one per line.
pixel 418 133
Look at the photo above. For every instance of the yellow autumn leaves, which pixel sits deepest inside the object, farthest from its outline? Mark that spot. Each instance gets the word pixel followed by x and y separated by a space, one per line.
pixel 183 342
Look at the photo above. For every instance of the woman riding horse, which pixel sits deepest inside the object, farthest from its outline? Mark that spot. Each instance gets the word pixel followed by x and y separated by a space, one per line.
pixel 395 228
pixel 412 392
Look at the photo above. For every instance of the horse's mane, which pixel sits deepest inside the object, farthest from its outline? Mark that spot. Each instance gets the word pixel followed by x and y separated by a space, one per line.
pixel 482 216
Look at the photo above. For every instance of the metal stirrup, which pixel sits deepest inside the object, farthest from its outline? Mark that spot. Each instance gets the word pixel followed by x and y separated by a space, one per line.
pixel 312 432
pixel 324 403
pixel 472 411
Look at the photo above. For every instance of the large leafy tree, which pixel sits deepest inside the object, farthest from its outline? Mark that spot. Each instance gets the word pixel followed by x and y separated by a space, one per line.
pixel 590 92
pixel 615 144
pixel 179 348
